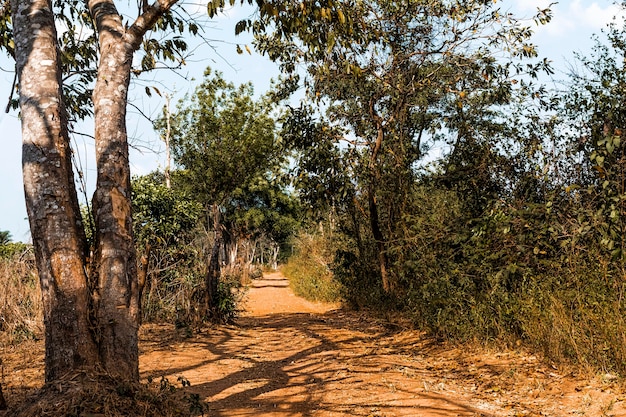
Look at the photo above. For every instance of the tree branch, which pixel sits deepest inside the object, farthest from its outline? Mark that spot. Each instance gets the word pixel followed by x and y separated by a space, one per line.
pixel 147 20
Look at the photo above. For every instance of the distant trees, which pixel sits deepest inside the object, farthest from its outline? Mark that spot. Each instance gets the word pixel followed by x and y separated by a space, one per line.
pixel 8 248
pixel 230 160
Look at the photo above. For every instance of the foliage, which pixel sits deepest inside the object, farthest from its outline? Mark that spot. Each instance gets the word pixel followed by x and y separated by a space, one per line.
pixel 515 233
pixel 166 231
pixel 162 216
pixel 231 160
pixel 395 78
pixel 266 213
pixel 222 139
pixel 595 106
pixel 5 237
pixel 308 269
pixel 9 249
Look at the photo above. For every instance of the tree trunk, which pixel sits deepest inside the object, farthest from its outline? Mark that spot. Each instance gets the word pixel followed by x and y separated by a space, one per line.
pixel 52 204
pixel 381 246
pixel 3 402
pixel 275 253
pixel 214 270
pixel 373 181
pixel 90 322
pixel 117 302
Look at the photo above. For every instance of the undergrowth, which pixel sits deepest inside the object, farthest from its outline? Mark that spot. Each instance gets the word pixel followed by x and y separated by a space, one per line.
pixel 170 296
pixel 100 395
pixel 517 275
pixel 21 312
pixel 308 270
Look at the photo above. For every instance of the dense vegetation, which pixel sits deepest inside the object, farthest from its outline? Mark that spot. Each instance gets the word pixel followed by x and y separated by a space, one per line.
pixel 515 233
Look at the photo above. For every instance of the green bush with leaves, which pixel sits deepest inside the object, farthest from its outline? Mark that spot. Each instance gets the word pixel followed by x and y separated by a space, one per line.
pixel 167 232
pixel 12 250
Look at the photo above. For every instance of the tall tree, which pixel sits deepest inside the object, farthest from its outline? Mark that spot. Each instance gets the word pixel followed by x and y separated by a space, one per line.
pixel 91 301
pixel 394 74
pixel 223 139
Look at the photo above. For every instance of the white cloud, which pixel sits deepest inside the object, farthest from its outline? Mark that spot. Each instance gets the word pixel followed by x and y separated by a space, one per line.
pixel 595 16
pixel 570 17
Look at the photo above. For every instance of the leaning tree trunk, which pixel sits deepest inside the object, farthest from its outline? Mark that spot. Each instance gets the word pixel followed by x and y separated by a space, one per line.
pixel 51 200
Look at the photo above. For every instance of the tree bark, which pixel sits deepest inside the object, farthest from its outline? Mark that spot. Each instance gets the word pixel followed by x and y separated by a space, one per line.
pixel 3 402
pixel 381 242
pixel 214 270
pixel 90 320
pixel 117 291
pixel 52 204
pixel 381 245
pixel 117 288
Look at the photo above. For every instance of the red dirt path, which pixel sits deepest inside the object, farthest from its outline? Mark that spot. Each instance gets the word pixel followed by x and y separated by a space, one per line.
pixel 287 357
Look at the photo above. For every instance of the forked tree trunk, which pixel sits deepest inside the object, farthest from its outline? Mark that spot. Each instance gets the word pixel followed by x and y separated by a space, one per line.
pixel 90 322
pixel 51 201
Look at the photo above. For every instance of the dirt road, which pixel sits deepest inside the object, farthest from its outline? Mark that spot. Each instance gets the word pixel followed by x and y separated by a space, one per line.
pixel 287 357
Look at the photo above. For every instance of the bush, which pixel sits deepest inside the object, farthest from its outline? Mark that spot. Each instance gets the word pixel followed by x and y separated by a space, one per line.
pixel 308 270
pixel 12 250
pixel 175 294
pixel 576 313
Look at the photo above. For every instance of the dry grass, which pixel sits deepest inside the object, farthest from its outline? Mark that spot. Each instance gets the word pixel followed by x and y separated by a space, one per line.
pixel 20 299
pixel 308 270
pixel 100 395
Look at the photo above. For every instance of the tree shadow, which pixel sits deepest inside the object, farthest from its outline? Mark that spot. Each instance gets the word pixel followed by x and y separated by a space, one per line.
pixel 302 364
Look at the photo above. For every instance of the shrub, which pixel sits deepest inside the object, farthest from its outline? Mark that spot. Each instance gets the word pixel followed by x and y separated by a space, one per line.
pixel 308 270
pixel 12 250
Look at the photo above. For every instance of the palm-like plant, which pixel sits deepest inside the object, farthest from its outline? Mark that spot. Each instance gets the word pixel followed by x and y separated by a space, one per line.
pixel 5 237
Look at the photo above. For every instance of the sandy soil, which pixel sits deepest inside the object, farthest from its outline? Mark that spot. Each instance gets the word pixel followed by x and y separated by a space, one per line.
pixel 287 357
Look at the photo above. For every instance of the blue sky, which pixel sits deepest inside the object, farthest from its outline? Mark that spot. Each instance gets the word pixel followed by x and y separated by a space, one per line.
pixel 573 24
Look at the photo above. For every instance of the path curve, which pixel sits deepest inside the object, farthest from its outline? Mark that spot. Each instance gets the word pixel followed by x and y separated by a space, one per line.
pixel 287 357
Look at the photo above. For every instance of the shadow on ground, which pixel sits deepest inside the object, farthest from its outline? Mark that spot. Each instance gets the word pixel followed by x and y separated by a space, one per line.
pixel 304 364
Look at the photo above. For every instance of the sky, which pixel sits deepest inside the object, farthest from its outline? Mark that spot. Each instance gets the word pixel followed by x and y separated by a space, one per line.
pixel 573 24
